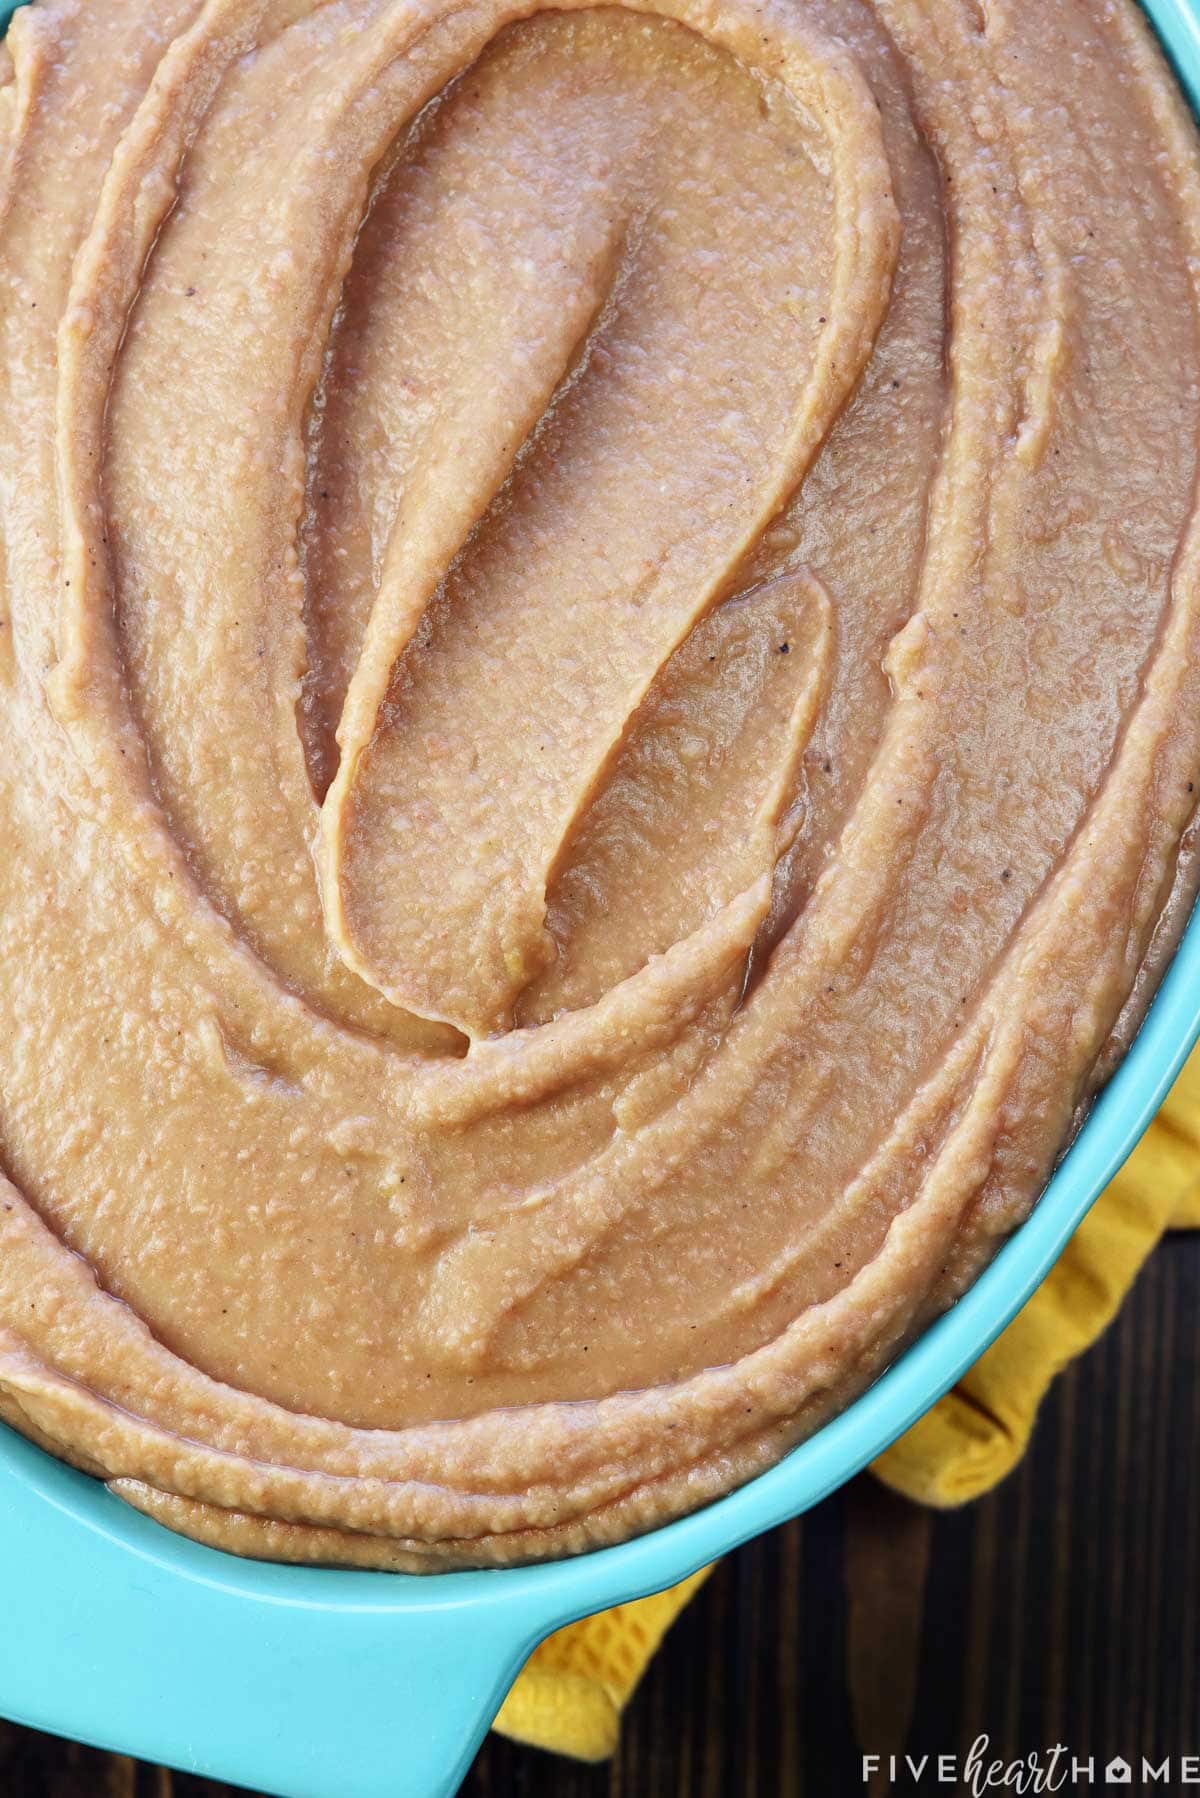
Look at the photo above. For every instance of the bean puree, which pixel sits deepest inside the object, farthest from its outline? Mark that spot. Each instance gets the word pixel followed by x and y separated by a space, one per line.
pixel 600 679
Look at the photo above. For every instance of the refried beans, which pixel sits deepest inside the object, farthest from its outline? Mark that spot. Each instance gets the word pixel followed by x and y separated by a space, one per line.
pixel 600 678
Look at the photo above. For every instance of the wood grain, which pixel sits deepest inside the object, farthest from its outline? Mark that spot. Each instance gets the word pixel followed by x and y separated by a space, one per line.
pixel 1063 1608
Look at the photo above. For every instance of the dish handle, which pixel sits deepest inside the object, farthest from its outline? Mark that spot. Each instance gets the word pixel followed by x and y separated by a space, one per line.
pixel 300 1682
pixel 445 1693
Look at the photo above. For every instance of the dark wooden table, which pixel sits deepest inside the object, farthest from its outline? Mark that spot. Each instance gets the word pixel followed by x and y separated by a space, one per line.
pixel 1063 1608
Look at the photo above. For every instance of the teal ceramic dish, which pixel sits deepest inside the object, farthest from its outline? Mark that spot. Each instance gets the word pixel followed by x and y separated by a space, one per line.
pixel 313 1683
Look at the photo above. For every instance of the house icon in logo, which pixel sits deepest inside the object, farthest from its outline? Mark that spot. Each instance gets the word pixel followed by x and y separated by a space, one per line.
pixel 1118 1772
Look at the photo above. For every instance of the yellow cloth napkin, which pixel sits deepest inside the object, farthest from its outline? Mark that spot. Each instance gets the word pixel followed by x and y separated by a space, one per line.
pixel 571 1691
